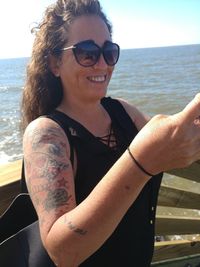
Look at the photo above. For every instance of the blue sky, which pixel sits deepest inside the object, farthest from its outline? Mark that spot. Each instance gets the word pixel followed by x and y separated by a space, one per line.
pixel 136 23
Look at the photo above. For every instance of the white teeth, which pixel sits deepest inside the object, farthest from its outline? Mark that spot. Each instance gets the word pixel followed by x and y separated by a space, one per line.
pixel 97 78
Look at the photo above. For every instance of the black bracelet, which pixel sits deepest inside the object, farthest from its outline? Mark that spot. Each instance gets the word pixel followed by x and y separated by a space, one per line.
pixel 137 163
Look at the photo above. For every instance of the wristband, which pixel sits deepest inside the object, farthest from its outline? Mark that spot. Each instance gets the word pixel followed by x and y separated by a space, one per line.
pixel 137 163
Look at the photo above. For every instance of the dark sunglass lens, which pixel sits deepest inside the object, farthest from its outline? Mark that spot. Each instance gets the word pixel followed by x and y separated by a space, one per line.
pixel 86 53
pixel 111 53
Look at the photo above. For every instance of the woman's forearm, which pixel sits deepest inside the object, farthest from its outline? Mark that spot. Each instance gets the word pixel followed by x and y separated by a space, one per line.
pixel 81 231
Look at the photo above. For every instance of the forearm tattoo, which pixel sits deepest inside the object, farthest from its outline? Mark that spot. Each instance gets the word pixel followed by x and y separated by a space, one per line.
pixel 73 227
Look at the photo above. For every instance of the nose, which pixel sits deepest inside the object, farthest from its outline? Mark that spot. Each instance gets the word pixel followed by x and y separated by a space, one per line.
pixel 101 63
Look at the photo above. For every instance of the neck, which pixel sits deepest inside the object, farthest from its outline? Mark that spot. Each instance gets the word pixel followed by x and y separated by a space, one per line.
pixel 91 115
pixel 77 109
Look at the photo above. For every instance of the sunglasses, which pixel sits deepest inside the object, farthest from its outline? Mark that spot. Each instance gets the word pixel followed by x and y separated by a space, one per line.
pixel 87 53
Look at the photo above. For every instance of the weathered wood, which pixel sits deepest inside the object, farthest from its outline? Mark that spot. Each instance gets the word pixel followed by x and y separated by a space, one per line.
pixel 191 173
pixel 186 261
pixel 174 249
pixel 177 225
pixel 178 198
pixel 170 253
pixel 10 172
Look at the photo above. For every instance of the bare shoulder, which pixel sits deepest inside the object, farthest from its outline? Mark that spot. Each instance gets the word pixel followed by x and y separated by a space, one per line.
pixel 44 137
pixel 137 116
pixel 48 171
pixel 42 131
pixel 45 140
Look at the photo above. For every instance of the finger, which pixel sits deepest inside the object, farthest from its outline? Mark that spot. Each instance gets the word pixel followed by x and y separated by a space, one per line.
pixel 192 110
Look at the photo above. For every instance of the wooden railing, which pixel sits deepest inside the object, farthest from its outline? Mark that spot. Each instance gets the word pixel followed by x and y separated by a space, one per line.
pixel 168 253
pixel 182 220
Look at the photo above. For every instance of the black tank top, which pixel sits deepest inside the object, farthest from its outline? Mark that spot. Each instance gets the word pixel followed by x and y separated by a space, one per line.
pixel 132 242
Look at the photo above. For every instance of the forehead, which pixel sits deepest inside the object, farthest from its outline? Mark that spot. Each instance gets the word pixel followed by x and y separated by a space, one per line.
pixel 88 28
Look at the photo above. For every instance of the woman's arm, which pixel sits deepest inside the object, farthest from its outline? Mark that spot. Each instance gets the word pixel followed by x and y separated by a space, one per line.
pixel 72 233
pixel 68 231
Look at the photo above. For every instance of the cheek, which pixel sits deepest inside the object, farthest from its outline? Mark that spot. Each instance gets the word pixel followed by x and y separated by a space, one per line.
pixel 71 76
pixel 68 67
pixel 68 63
pixel 110 72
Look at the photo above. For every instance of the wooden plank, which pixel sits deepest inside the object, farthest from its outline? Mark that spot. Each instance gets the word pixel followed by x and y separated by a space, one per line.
pixel 186 261
pixel 178 198
pixel 10 172
pixel 174 249
pixel 191 173
pixel 173 225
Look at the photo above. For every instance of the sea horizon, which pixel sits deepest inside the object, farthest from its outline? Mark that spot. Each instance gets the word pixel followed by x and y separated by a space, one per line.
pixel 122 49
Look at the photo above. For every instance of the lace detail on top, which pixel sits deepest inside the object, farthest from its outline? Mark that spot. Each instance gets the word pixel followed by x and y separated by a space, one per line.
pixel 109 139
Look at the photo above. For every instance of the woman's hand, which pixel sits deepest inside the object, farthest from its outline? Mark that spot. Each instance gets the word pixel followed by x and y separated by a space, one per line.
pixel 168 142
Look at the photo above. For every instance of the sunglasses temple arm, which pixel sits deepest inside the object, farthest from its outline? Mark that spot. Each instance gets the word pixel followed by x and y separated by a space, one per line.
pixel 67 48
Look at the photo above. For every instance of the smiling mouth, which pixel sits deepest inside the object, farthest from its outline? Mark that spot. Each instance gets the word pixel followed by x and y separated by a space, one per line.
pixel 97 79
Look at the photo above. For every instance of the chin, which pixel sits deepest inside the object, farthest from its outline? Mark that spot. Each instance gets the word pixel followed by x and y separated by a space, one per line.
pixel 98 95
pixel 102 92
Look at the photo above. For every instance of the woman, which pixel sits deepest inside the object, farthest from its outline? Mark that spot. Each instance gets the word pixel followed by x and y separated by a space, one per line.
pixel 92 177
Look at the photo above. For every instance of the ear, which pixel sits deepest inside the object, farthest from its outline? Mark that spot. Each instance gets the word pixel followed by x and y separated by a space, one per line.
pixel 54 65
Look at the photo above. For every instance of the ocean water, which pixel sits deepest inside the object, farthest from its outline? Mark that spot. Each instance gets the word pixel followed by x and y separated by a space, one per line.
pixel 12 77
pixel 156 80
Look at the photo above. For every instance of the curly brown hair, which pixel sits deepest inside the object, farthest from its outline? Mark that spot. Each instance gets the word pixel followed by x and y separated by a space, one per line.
pixel 39 95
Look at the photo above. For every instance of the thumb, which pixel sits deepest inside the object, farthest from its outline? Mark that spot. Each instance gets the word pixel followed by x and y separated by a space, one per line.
pixel 192 110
